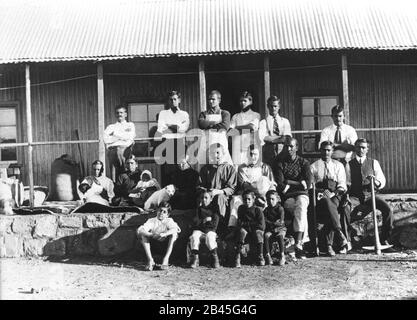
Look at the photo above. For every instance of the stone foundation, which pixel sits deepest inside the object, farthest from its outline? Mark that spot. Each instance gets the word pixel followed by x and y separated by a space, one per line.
pixel 109 234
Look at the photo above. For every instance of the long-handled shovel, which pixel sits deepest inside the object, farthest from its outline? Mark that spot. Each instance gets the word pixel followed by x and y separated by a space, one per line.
pixel 378 247
pixel 316 237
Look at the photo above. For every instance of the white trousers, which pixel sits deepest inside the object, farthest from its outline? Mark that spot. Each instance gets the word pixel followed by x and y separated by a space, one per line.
pixel 298 206
pixel 198 236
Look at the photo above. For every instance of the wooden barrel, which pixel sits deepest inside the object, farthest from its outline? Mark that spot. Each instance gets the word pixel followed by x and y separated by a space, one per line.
pixel 64 176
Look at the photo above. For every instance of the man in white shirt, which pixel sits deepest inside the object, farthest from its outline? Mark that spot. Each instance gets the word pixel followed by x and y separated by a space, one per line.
pixel 358 173
pixel 330 178
pixel 172 126
pixel 119 139
pixel 342 135
pixel 272 131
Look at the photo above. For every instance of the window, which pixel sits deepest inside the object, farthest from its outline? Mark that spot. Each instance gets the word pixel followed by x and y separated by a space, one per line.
pixel 316 115
pixel 8 133
pixel 144 116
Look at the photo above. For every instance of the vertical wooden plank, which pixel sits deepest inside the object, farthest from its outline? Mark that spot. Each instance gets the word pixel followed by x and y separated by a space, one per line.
pixel 267 83
pixel 100 109
pixel 345 87
pixel 202 80
pixel 29 136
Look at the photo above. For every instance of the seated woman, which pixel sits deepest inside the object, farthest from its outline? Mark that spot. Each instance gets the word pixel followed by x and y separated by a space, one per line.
pixel 254 176
pixel 145 187
pixel 97 188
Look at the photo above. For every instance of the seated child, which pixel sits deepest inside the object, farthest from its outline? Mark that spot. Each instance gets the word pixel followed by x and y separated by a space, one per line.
pixel 250 223
pixel 205 228
pixel 161 230
pixel 145 187
pixel 274 226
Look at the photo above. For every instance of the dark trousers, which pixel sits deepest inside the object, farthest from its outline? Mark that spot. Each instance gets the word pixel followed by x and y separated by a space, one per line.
pixel 365 207
pixel 256 235
pixel 175 148
pixel 117 157
pixel 328 214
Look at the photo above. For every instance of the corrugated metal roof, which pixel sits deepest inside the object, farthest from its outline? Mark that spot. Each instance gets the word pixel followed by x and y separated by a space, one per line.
pixel 45 30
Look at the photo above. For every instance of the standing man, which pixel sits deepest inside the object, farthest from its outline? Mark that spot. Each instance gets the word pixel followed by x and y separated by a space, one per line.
pixel 330 178
pixel 272 131
pixel 215 122
pixel 118 138
pixel 342 135
pixel 245 123
pixel 219 178
pixel 358 172
pixel 172 126
pixel 293 176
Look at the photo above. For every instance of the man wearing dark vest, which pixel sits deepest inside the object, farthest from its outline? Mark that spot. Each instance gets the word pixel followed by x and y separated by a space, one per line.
pixel 358 171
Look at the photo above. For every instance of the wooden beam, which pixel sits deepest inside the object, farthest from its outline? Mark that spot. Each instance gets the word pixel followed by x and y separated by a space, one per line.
pixel 29 136
pixel 267 83
pixel 100 112
pixel 202 81
pixel 345 84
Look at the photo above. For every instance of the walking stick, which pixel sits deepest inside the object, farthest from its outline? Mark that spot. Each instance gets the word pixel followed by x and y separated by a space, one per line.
pixel 377 247
pixel 316 238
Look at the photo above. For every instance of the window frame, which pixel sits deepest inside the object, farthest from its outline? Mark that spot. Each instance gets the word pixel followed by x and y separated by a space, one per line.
pixel 19 129
pixel 316 95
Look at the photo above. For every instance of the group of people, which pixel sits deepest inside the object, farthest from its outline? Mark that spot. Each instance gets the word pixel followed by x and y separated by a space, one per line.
pixel 263 196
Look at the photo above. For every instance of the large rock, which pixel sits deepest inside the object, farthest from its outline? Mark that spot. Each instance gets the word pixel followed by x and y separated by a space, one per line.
pixel 46 226
pixel 98 220
pixel 408 237
pixel 70 222
pixel 23 225
pixel 11 246
pixel 5 224
pixel 33 247
pixel 117 241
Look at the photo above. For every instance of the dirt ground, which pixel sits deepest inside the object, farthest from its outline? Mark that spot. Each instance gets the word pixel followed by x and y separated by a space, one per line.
pixel 353 276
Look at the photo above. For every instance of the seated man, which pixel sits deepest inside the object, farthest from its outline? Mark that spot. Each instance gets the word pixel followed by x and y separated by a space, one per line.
pixel 255 176
pixel 358 172
pixel 205 228
pixel 185 179
pixel 293 176
pixel 219 178
pixel 126 182
pixel 330 178
pixel 97 188
pixel 159 230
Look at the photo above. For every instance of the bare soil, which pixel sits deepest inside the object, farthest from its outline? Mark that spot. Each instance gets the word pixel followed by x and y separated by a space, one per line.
pixel 352 276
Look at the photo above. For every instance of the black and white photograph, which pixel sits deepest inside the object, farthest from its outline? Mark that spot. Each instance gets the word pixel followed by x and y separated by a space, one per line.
pixel 208 155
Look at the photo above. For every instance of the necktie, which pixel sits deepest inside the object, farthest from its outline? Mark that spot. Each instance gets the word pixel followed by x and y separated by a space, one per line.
pixel 326 171
pixel 275 127
pixel 174 109
pixel 338 136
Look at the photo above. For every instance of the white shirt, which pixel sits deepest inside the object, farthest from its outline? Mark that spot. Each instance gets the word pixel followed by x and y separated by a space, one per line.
pixel 93 194
pixel 266 127
pixel 154 225
pixel 347 133
pixel 119 134
pixel 379 175
pixel 168 118
pixel 244 118
pixel 335 171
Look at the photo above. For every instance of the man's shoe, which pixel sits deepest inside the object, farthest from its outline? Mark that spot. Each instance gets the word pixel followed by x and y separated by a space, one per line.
pixel 164 267
pixel 194 261
pixel 281 260
pixel 343 250
pixel 330 251
pixel 349 246
pixel 268 260
pixel 237 261
pixel 150 266
pixel 261 260
pixel 216 262
pixel 299 253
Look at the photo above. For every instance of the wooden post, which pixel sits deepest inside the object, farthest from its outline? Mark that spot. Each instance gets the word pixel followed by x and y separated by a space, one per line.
pixel 345 85
pixel 100 109
pixel 29 136
pixel 267 82
pixel 202 78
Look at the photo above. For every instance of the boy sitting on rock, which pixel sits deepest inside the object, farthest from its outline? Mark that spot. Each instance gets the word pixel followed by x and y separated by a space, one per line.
pixel 159 231
pixel 250 224
pixel 274 226
pixel 205 228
